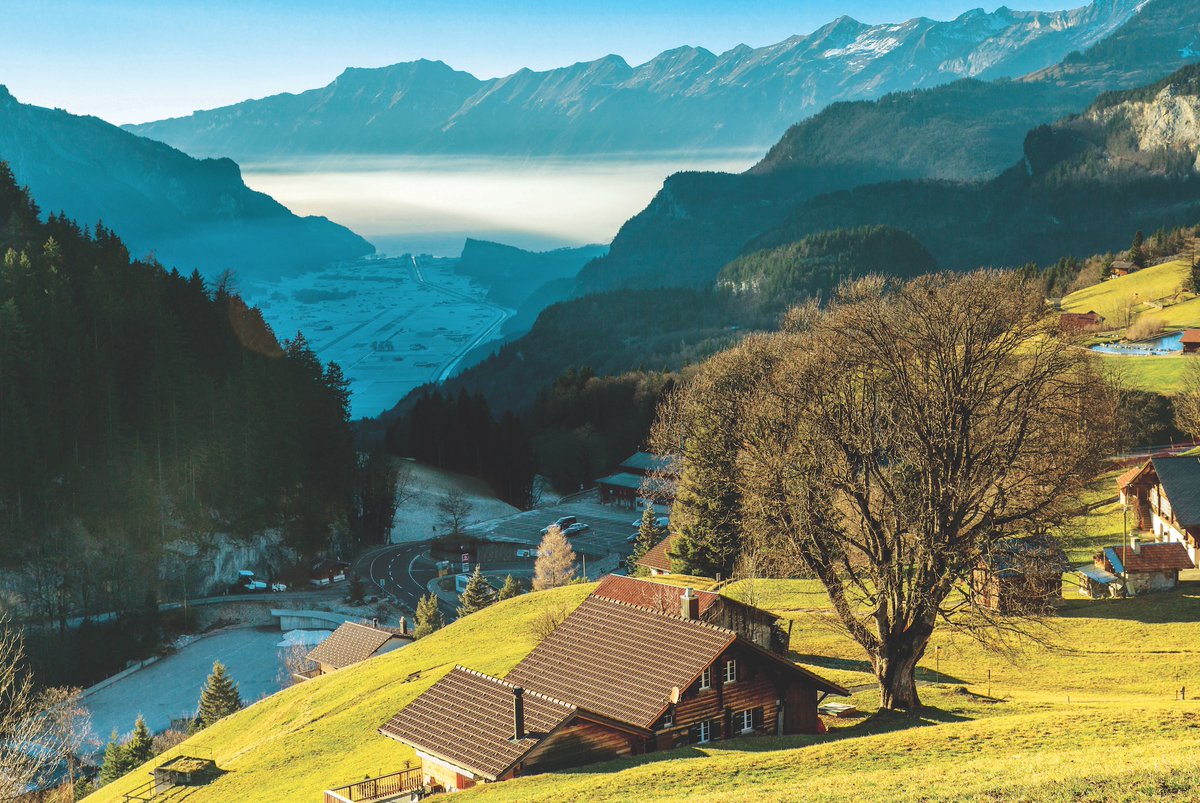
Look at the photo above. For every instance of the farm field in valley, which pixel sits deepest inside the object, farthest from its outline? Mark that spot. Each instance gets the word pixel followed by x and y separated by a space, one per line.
pixel 391 324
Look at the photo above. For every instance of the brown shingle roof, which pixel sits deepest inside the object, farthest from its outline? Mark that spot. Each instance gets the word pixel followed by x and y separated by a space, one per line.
pixel 466 718
pixel 1130 475
pixel 649 594
pixel 1166 556
pixel 1191 336
pixel 620 661
pixel 349 644
pixel 656 557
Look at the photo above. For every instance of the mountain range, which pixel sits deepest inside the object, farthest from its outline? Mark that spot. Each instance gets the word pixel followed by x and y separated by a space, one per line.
pixel 968 130
pixel 189 213
pixel 685 98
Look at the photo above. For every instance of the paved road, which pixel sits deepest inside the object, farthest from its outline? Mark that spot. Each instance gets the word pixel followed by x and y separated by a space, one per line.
pixel 403 571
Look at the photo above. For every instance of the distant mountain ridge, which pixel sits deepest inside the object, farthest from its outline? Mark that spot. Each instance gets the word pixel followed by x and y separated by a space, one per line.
pixel 688 97
pixel 968 130
pixel 189 213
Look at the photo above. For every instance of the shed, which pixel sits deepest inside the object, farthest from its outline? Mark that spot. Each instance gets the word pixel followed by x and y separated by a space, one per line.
pixel 1020 575
pixel 1146 567
pixel 1122 267
pixel 1190 341
pixel 1099 583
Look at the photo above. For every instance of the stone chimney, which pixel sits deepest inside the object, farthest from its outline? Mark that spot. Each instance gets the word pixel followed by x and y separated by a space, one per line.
pixel 1135 544
pixel 689 604
pixel 518 713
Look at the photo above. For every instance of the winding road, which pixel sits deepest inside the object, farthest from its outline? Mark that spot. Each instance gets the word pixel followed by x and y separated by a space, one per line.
pixel 403 572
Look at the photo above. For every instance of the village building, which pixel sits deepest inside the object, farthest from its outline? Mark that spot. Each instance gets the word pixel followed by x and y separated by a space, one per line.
pixel 642 477
pixel 751 623
pixel 1020 575
pixel 612 680
pixel 351 643
pixel 1164 494
pixel 1122 267
pixel 1145 568
pixel 657 560
pixel 1075 323
pixel 1190 341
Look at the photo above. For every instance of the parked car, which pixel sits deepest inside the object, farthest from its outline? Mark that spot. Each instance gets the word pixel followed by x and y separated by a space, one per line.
pixel 576 528
pixel 663 522
pixel 249 583
pixel 562 523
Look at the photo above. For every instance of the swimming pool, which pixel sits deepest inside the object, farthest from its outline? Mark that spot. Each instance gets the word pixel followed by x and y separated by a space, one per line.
pixel 1165 344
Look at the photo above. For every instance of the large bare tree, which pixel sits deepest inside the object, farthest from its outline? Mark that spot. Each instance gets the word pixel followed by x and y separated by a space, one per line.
pixel 886 443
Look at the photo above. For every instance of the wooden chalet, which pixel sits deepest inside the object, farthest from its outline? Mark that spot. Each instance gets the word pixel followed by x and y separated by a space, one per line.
pixel 751 623
pixel 351 643
pixel 1075 323
pixel 657 559
pixel 612 680
pixel 1164 493
pixel 1145 568
pixel 1020 575
pixel 1190 341
pixel 1122 267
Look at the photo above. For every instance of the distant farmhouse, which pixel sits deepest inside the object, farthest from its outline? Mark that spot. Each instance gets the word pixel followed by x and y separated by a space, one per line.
pixel 1020 575
pixel 351 643
pixel 1164 495
pixel 1122 267
pixel 640 478
pixel 1145 568
pixel 614 679
pixel 1075 323
pixel 657 559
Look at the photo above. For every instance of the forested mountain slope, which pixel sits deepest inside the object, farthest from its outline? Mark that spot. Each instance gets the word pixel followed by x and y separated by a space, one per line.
pixel 967 130
pixel 186 212
pixel 139 406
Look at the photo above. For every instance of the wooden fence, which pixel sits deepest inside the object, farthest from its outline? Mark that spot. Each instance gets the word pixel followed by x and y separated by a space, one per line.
pixel 384 787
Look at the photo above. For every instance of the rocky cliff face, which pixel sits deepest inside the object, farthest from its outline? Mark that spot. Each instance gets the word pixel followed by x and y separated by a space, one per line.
pixel 1169 122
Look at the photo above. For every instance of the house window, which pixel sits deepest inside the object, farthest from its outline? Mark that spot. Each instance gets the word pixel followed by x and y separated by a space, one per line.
pixel 704 732
pixel 730 671
pixel 668 719
pixel 743 721
pixel 706 678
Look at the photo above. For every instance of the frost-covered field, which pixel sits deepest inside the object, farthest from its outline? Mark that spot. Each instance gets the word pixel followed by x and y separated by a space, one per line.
pixel 392 324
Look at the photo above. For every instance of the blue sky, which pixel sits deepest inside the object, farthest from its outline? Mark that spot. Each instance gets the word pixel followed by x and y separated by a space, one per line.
pixel 145 59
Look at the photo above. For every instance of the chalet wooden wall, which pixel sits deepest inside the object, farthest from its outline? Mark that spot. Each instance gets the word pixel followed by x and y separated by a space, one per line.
pixel 577 744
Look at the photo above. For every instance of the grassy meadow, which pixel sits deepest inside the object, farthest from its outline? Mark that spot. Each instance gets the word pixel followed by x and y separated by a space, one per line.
pixel 1084 709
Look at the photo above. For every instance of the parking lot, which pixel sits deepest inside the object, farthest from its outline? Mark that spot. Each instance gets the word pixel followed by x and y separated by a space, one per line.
pixel 609 526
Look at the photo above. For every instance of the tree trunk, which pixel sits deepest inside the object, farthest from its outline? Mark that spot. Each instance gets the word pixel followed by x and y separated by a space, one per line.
pixel 895 669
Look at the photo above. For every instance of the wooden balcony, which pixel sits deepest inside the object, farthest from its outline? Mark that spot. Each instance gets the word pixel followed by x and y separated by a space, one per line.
pixel 396 786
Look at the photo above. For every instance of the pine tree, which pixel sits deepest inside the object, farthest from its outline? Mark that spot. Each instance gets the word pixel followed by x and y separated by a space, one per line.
pixel 510 589
pixel 476 596
pixel 429 617
pixel 116 762
pixel 649 534
pixel 555 564
pixel 140 747
pixel 357 591
pixel 219 698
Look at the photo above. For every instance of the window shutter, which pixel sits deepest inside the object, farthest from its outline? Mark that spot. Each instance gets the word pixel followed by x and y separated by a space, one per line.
pixel 694 734
pixel 758 717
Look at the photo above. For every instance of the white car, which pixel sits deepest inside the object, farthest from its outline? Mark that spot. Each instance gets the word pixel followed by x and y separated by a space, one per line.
pixel 247 582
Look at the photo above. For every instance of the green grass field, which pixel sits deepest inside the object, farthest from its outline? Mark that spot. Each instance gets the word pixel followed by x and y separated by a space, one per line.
pixel 1085 709
pixel 1161 283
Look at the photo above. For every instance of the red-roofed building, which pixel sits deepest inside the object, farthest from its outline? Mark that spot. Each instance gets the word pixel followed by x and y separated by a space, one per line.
pixel 753 624
pixel 1190 341
pixel 1145 568
pixel 657 559
pixel 1074 323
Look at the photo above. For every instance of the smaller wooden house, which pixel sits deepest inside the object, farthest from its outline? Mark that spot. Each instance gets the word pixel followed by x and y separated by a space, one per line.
pixel 351 643
pixel 1020 575
pixel 1145 568
pixel 1122 267
pixel 1076 323
pixel 657 559
pixel 751 623
pixel 1190 341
